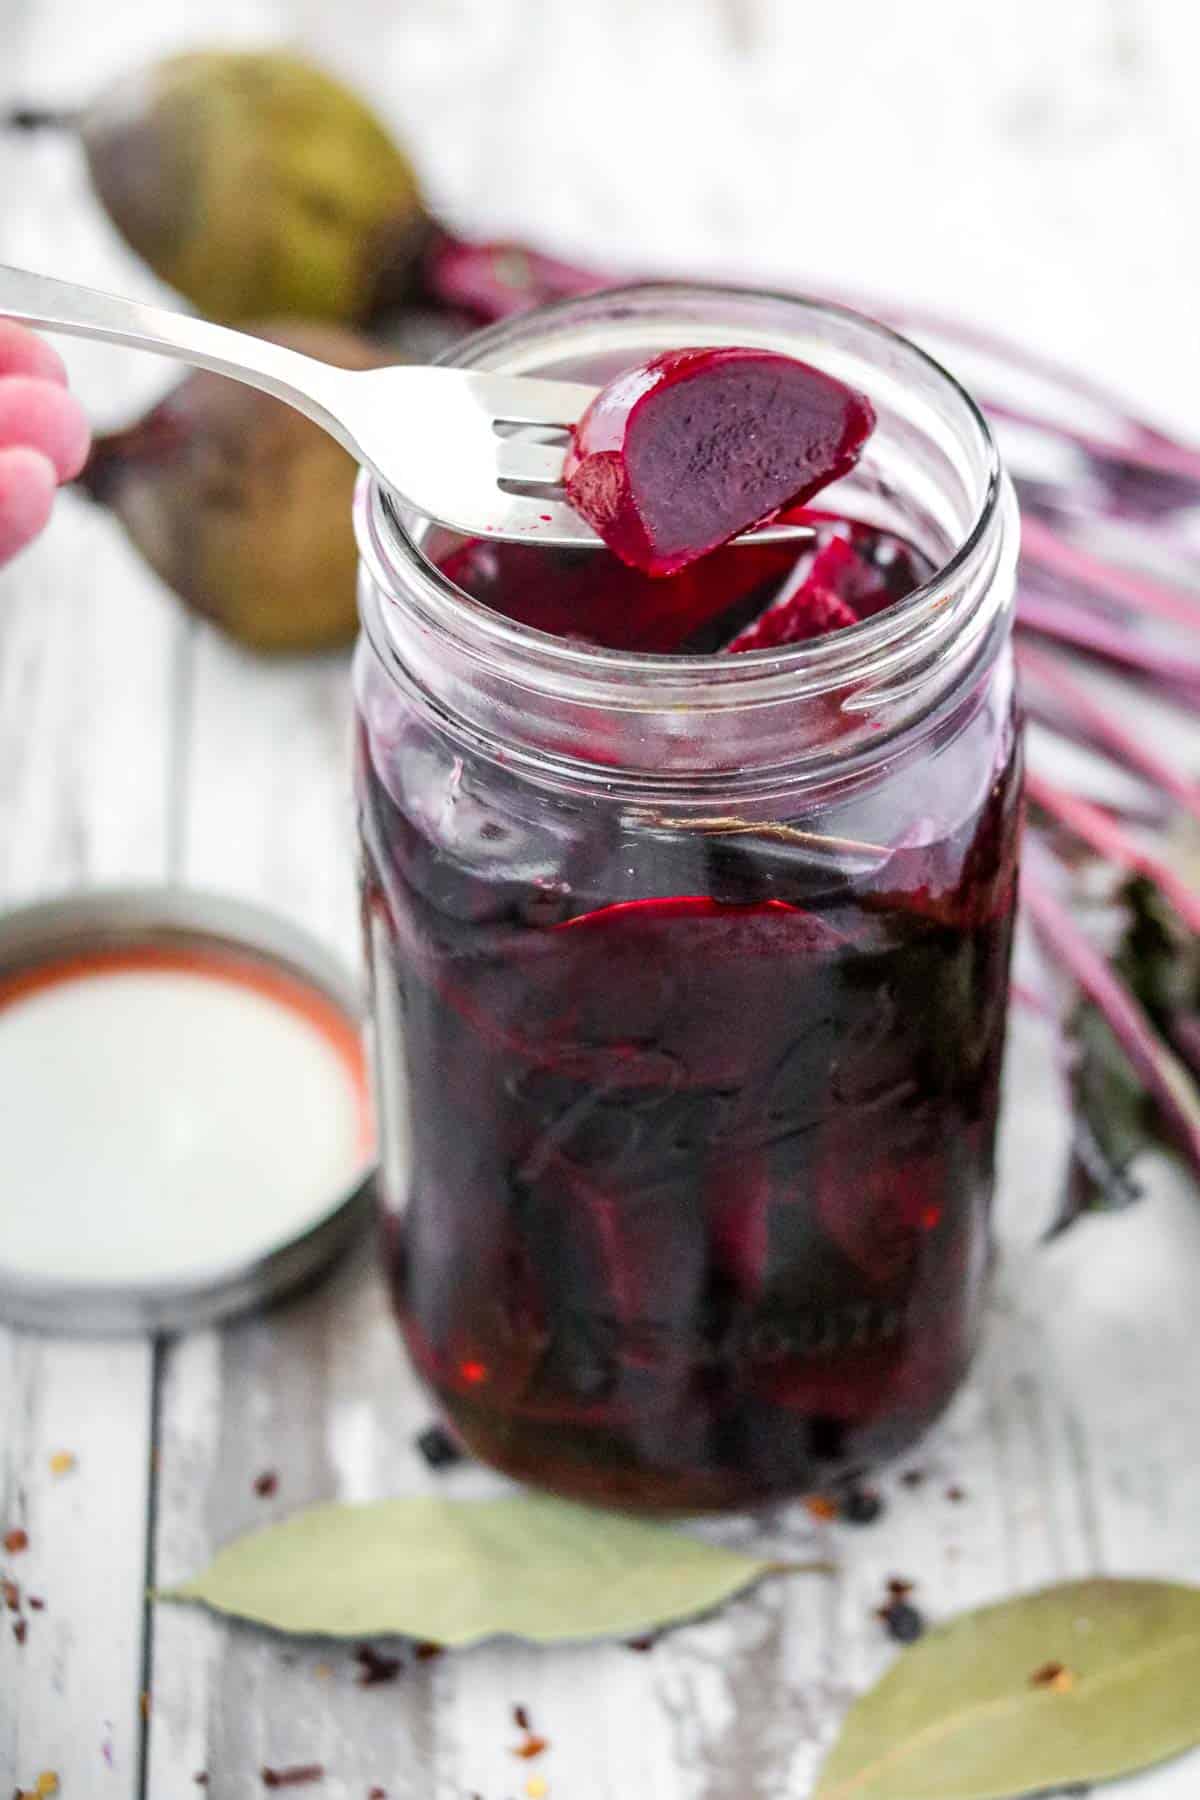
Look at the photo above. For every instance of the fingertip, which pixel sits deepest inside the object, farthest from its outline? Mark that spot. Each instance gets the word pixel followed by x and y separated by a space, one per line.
pixel 28 480
pixel 23 352
pixel 39 415
pixel 76 443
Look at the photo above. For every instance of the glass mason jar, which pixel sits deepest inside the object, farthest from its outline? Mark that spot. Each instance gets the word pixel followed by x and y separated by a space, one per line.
pixel 690 973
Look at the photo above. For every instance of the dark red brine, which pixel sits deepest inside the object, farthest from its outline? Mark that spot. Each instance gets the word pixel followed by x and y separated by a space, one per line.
pixel 688 1104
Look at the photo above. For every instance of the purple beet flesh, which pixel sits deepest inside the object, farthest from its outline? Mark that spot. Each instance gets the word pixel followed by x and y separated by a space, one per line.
pixel 678 456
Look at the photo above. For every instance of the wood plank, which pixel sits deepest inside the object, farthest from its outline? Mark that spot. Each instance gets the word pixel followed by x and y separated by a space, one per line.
pixel 87 645
pixel 69 1694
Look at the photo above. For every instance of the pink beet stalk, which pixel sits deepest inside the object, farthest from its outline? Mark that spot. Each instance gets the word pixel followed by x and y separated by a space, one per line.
pixel 1109 839
pixel 1167 1081
pixel 1043 547
pixel 1072 624
pixel 1131 750
pixel 495 280
pixel 1148 456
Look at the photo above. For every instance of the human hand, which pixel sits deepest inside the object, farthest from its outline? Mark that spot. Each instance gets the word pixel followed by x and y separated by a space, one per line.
pixel 44 435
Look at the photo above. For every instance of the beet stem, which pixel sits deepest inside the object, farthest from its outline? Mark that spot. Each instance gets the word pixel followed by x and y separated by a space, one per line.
pixel 1042 546
pixel 1122 746
pixel 1165 1077
pixel 1109 839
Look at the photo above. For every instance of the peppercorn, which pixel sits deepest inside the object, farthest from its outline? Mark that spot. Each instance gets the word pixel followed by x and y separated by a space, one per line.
pixel 861 1506
pixel 438 1448
pixel 902 1621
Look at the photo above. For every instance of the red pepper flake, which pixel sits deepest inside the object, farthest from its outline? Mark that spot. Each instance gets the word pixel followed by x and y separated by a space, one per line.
pixel 898 1588
pixel 201 1778
pixel 426 1652
pixel 301 1775
pixel 1055 1676
pixel 533 1746
pixel 16 1540
pixel 819 1506
pixel 956 1494
pixel 35 1603
pixel 266 1484
pixel 521 1719
pixel 374 1668
pixel 376 1793
pixel 19 1630
pixel 12 1595
pixel 642 1644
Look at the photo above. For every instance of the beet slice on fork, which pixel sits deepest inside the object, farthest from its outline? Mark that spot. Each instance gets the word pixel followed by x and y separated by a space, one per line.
pixel 689 450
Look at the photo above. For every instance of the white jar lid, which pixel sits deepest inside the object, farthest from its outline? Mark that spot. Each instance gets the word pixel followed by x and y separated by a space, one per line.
pixel 186 1126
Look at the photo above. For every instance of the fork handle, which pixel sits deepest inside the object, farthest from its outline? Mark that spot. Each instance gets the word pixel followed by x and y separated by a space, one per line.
pixel 52 305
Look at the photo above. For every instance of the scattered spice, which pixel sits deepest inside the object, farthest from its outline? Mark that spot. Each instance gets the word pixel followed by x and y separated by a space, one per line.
pixel 201 1778
pixel 902 1621
pixel 643 1643
pixel 16 1540
pixel 376 1793
pixel 20 1630
pixel 861 1506
pixel 266 1484
pixel 144 1703
pixel 438 1447
pixel 819 1506
pixel 12 1595
pixel 46 1783
pixel 374 1668
pixel 956 1494
pixel 912 1478
pixel 1053 1675
pixel 322 1671
pixel 301 1775
pixel 426 1652
pixel 521 1719
pixel 35 1603
pixel 898 1588
pixel 533 1746
pixel 62 1462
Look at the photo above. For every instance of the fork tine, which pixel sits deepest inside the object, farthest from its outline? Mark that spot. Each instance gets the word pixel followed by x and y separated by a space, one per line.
pixel 517 460
pixel 528 400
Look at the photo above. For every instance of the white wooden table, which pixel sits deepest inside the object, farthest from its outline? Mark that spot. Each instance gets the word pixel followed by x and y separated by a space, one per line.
pixel 1031 165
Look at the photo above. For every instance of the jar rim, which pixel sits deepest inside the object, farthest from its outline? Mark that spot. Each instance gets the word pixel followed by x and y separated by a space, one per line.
pixel 391 550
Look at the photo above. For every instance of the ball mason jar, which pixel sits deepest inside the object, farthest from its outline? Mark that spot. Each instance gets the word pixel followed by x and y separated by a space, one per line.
pixel 690 973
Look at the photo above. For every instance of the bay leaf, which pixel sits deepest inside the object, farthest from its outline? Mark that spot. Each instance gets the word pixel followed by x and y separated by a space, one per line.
pixel 960 1716
pixel 456 1572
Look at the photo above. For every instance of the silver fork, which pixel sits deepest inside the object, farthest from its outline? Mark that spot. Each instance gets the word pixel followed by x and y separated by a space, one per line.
pixel 461 447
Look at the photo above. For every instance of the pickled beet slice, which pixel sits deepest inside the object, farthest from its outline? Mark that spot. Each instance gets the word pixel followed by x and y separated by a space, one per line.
pixel 839 587
pixel 810 611
pixel 676 457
